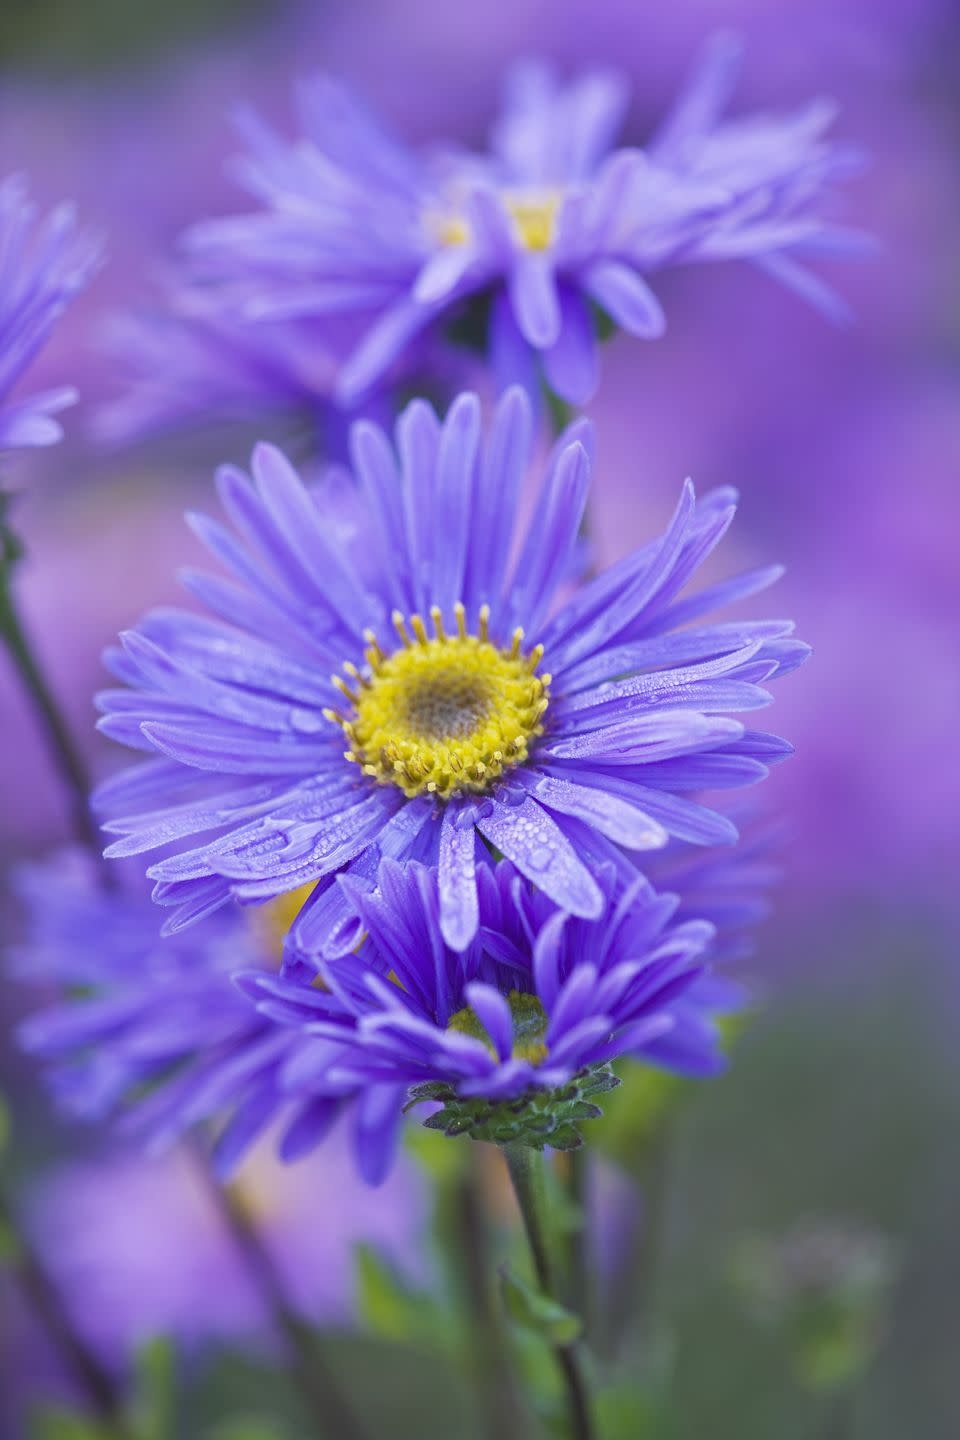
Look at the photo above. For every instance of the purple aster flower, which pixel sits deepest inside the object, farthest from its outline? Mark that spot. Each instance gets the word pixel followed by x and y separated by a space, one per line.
pixel 157 1036
pixel 194 359
pixel 42 268
pixel 511 722
pixel 551 225
pixel 513 1034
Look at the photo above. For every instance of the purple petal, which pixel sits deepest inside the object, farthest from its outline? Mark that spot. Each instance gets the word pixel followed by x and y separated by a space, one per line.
pixel 533 294
pixel 570 364
pixel 529 837
pixel 493 1012
pixel 627 298
pixel 459 915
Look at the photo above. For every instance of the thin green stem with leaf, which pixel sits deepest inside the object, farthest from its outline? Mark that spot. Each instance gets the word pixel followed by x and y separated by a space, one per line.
pixel 526 1169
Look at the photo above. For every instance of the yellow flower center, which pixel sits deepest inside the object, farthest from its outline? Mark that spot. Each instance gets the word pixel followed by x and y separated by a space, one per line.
pixel 529 1027
pixel 442 715
pixel 534 219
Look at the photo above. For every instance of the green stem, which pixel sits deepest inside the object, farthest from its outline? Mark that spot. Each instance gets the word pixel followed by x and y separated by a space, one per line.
pixel 525 1166
pixel 95 1381
pixel 66 754
pixel 330 1411
pixel 576 1179
pixel 495 1383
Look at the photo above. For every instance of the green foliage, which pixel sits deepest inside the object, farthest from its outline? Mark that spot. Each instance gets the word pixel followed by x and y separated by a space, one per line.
pixel 247 1427
pixel 824 1290
pixel 629 1412
pixel 154 1403
pixel 60 34
pixel 390 1309
pixel 537 1313
pixel 60 1424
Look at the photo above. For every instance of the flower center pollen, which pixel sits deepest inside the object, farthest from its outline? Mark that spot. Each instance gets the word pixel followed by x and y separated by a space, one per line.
pixel 442 715
pixel 529 1027
pixel 533 216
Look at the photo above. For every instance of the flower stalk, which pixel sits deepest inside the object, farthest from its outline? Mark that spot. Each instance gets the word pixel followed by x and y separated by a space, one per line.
pixel 525 1167
pixel 69 761
pixel 80 1360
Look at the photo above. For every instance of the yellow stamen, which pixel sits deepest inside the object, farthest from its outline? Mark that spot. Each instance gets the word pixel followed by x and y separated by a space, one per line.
pixel 534 219
pixel 529 1023
pixel 533 215
pixel 444 715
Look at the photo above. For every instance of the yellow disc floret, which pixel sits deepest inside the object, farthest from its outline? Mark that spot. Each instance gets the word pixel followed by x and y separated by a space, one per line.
pixel 533 217
pixel 529 1021
pixel 444 714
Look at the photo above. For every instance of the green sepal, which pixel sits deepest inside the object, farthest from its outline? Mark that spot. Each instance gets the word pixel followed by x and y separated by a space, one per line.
pixel 538 1118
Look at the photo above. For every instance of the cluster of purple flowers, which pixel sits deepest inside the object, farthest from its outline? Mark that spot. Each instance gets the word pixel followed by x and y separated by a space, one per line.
pixel 430 811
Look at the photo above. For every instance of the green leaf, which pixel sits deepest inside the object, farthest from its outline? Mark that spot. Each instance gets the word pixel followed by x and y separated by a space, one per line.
pixel 9 1244
pixel 387 1306
pixel 538 1313
pixel 155 1390
pixel 246 1427
pixel 58 1424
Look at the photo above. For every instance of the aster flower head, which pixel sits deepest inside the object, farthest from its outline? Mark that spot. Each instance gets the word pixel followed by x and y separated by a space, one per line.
pixel 43 266
pixel 321 724
pixel 149 1033
pixel 551 225
pixel 513 1035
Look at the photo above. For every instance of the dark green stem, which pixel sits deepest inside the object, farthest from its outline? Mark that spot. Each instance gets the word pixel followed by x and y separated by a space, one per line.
pixel 329 1409
pixel 495 1383
pixel 525 1166
pixel 68 758
pixel 83 1364
pixel 576 1180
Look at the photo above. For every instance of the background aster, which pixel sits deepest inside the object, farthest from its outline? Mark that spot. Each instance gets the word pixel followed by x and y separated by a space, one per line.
pixel 151 1032
pixel 43 266
pixel 425 745
pixel 550 224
